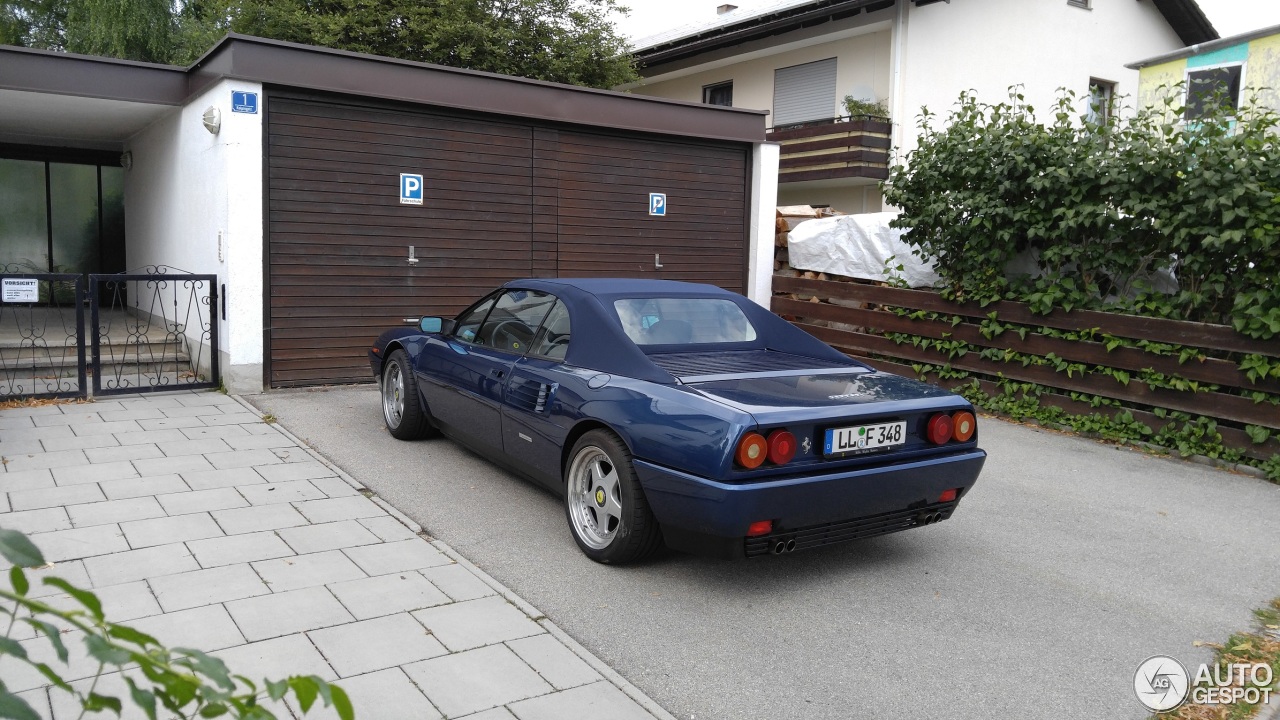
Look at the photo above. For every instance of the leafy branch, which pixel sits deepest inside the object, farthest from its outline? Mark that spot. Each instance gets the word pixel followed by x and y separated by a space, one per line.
pixel 183 681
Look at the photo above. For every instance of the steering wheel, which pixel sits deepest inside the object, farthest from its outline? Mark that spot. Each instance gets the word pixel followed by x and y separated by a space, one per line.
pixel 506 330
pixel 559 347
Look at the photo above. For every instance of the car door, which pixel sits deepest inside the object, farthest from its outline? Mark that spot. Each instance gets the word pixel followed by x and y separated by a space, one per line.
pixel 466 377
pixel 530 434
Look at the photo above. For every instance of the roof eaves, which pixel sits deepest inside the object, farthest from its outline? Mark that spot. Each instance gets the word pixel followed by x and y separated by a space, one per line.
pixel 276 62
pixel 757 26
pixel 1205 47
pixel 1188 20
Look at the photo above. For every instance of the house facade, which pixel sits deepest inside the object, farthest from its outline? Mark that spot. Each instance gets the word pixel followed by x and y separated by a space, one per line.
pixel 1234 70
pixel 799 60
pixel 331 194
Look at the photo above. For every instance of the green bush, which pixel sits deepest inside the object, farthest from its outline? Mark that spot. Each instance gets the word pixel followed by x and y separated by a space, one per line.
pixel 1097 207
pixel 179 681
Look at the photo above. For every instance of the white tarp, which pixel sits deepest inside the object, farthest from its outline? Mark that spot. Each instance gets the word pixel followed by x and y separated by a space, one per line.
pixel 858 246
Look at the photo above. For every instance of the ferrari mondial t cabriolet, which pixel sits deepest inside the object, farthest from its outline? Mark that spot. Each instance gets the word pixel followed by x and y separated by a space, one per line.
pixel 680 414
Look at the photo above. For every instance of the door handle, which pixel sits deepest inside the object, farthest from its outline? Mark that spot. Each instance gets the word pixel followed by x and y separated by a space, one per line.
pixel 497 373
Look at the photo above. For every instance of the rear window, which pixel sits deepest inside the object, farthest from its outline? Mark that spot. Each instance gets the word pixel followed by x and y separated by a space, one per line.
pixel 683 321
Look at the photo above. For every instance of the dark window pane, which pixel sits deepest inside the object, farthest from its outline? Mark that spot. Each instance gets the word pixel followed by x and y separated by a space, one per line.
pixel 24 229
pixel 721 94
pixel 73 195
pixel 112 219
pixel 1213 88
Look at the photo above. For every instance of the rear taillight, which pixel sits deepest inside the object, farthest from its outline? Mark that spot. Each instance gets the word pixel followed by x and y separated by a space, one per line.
pixel 964 426
pixel 940 429
pixel 782 447
pixel 760 527
pixel 948 495
pixel 752 451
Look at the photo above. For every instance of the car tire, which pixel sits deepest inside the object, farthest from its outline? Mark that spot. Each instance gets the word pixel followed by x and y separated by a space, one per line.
pixel 608 513
pixel 401 409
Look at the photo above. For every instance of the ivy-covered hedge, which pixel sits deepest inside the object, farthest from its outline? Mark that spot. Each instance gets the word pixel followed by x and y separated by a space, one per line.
pixel 1095 209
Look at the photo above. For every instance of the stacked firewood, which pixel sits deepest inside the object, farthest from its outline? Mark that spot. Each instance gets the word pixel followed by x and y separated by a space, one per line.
pixel 789 216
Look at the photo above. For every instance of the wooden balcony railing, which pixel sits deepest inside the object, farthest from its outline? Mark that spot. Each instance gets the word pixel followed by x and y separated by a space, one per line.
pixel 843 147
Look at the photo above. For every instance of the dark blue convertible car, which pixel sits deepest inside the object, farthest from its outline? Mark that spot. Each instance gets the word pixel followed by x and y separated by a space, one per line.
pixel 680 414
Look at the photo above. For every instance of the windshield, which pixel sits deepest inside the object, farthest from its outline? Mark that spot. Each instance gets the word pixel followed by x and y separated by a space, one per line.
pixel 683 321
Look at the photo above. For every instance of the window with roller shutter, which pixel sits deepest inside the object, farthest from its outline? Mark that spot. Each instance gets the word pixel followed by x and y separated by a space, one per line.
pixel 804 92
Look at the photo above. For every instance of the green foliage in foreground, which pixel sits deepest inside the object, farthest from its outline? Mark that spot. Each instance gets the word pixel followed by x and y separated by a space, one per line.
pixel 1093 210
pixel 178 681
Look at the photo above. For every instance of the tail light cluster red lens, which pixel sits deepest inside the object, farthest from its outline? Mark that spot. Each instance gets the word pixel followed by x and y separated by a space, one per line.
pixel 754 449
pixel 943 428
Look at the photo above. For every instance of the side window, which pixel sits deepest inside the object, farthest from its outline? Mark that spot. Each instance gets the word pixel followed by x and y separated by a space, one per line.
pixel 552 340
pixel 514 319
pixel 470 320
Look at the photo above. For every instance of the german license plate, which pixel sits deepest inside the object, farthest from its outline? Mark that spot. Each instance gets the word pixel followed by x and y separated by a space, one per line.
pixel 864 438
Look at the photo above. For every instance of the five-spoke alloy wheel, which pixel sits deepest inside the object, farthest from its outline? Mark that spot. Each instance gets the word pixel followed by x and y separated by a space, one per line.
pixel 605 505
pixel 400 408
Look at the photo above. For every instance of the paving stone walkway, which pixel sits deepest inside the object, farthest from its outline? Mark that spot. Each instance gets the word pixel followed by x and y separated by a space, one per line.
pixel 197 522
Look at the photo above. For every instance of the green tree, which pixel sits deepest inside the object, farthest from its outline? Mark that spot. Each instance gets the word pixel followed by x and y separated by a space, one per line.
pixel 569 41
pixel 34 23
pixel 130 29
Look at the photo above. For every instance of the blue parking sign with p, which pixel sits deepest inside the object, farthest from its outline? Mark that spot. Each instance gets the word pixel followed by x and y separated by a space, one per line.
pixel 410 189
pixel 657 203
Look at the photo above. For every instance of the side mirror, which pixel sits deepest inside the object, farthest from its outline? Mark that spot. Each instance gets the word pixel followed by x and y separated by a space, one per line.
pixel 430 324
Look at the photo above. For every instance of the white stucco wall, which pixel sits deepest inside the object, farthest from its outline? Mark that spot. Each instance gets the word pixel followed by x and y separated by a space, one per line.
pixel 862 66
pixel 764 202
pixel 186 188
pixel 925 56
pixel 1040 44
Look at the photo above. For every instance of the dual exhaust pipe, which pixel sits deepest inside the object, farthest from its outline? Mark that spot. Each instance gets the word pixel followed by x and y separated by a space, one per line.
pixel 783 546
pixel 928 518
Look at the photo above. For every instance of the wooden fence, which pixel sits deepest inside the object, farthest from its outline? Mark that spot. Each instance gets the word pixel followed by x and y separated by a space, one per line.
pixel 862 317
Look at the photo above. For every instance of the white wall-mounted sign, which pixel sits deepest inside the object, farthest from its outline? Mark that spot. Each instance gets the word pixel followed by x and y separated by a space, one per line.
pixel 244 102
pixel 21 290
pixel 657 203
pixel 410 189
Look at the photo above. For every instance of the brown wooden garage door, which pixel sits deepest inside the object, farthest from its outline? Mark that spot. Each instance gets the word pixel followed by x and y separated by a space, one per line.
pixel 604 224
pixel 502 200
pixel 339 237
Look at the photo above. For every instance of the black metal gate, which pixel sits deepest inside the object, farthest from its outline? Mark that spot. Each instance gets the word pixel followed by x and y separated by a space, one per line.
pixel 42 351
pixel 154 330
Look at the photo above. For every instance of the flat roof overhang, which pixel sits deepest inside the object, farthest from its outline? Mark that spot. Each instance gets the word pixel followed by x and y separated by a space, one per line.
pixel 81 101
pixel 56 98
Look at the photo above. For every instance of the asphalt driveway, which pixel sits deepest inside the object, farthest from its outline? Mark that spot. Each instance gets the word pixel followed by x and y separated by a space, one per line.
pixel 1068 564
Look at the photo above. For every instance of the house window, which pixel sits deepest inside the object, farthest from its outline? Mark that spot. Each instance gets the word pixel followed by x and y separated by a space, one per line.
pixel 1085 4
pixel 1213 88
pixel 802 93
pixel 718 94
pixel 1101 96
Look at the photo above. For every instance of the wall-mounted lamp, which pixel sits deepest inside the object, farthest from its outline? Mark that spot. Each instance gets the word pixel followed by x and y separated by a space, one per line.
pixel 213 120
pixel 126 160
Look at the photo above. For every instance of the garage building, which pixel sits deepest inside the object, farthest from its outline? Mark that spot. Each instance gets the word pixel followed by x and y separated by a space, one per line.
pixel 334 194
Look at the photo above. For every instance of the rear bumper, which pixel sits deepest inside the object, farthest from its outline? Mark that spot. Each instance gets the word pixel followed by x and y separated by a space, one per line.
pixel 709 517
